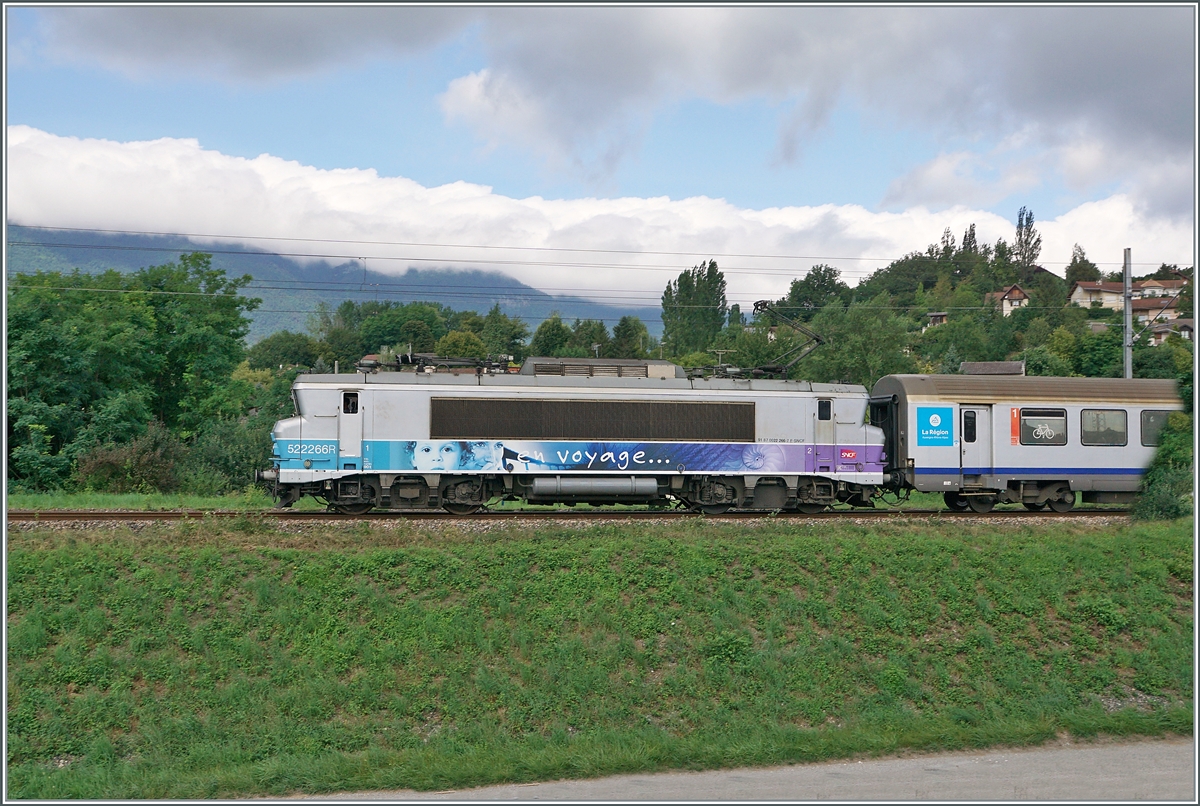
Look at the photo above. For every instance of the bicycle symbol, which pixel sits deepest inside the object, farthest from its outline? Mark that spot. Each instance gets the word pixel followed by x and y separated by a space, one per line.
pixel 1043 431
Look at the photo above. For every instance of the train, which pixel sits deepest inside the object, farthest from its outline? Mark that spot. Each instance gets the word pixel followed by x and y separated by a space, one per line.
pixel 610 431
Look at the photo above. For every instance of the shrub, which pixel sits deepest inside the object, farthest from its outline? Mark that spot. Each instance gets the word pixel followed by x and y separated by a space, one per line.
pixel 148 463
pixel 1167 487
pixel 225 455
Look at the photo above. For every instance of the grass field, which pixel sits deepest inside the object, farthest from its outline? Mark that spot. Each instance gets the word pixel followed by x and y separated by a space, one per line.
pixel 242 658
pixel 250 499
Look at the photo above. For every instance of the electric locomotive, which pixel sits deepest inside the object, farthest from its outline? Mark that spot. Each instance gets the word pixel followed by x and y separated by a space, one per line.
pixel 570 431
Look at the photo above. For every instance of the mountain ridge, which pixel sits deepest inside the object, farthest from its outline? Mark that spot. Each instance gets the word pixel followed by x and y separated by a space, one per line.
pixel 291 288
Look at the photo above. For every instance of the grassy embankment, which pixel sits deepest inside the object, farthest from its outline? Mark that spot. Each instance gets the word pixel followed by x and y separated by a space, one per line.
pixel 235 658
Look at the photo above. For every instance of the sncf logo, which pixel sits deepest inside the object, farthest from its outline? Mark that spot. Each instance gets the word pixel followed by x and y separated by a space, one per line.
pixel 849 454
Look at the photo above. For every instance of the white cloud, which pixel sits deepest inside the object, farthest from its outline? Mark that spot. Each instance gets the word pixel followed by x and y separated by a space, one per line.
pixel 494 105
pixel 964 177
pixel 171 185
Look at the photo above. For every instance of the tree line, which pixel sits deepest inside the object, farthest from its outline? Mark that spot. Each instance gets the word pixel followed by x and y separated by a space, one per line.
pixel 143 381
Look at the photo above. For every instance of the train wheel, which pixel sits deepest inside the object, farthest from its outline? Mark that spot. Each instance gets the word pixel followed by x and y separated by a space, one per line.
pixel 981 503
pixel 1063 504
pixel 352 509
pixel 461 509
pixel 715 509
pixel 955 502
pixel 1034 507
pixel 810 509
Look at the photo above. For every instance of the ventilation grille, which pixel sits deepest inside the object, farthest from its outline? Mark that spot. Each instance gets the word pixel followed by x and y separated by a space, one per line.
pixel 591 370
pixel 475 418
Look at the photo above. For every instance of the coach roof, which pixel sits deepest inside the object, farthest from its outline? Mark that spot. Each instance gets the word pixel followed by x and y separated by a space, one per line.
pixel 1006 389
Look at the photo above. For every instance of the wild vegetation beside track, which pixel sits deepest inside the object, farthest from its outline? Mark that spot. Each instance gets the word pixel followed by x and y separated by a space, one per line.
pixel 247 658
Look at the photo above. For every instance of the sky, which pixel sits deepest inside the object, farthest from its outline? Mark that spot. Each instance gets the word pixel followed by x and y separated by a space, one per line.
pixel 603 150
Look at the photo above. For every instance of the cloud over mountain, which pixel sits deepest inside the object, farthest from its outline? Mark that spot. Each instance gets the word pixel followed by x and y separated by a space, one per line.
pixel 587 246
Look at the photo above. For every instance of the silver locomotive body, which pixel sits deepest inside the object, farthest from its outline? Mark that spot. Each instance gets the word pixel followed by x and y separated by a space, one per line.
pixel 633 432
pixel 980 440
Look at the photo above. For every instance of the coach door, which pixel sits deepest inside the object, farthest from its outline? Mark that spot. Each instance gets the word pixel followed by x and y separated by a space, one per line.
pixel 350 430
pixel 976 443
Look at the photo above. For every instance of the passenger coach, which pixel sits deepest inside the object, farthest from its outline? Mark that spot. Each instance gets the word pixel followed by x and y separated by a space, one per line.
pixel 1041 442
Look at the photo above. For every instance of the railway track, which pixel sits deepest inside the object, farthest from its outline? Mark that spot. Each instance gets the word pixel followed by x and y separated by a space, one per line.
pixel 118 516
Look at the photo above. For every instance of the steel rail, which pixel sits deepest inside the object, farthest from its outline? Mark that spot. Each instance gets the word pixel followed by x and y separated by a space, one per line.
pixel 130 516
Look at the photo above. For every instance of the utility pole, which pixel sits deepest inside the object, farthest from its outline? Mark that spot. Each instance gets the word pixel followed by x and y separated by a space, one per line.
pixel 1128 313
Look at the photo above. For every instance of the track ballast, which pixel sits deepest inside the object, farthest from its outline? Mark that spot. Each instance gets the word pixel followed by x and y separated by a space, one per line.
pixel 118 516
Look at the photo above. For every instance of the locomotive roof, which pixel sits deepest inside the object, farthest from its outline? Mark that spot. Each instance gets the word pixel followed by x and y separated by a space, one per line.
pixel 997 389
pixel 516 381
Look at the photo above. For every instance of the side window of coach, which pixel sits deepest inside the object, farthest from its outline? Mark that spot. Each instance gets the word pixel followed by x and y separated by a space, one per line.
pixel 1152 424
pixel 824 409
pixel 1103 427
pixel 350 403
pixel 968 426
pixel 1043 426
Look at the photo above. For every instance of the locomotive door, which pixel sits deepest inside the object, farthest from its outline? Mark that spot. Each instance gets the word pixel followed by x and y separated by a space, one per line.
pixel 823 437
pixel 350 431
pixel 976 443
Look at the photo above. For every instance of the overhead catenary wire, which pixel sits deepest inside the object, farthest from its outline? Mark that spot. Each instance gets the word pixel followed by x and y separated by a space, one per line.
pixel 858 306
pixel 658 267
pixel 491 246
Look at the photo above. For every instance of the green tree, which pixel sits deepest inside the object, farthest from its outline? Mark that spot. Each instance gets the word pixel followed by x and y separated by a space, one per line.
pixel 1027 245
pixel 694 309
pixel 550 338
pixel 283 348
pixel 1037 334
pixel 629 339
pixel 819 287
pixel 1041 361
pixel 1080 269
pixel 1099 355
pixel 504 335
pixel 94 358
pixel 416 332
pixel 461 344
pixel 864 342
pixel 378 325
pixel 1153 362
pixel 587 335
pixel 1062 343
pixel 344 345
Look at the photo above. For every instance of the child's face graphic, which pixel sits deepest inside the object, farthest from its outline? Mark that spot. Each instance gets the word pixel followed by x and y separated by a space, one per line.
pixel 437 456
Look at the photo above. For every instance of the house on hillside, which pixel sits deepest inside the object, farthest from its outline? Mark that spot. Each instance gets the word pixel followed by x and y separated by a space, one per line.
pixel 1158 309
pixel 935 319
pixel 1160 288
pixel 1112 295
pixel 1184 328
pixel 1009 299
pixel 1086 292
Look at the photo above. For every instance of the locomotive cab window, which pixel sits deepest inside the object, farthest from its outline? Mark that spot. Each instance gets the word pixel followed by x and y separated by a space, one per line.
pixel 824 409
pixel 1103 427
pixel 1152 424
pixel 350 403
pixel 1043 427
pixel 968 426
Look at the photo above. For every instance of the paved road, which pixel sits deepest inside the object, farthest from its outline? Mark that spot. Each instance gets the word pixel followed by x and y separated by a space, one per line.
pixel 1157 770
